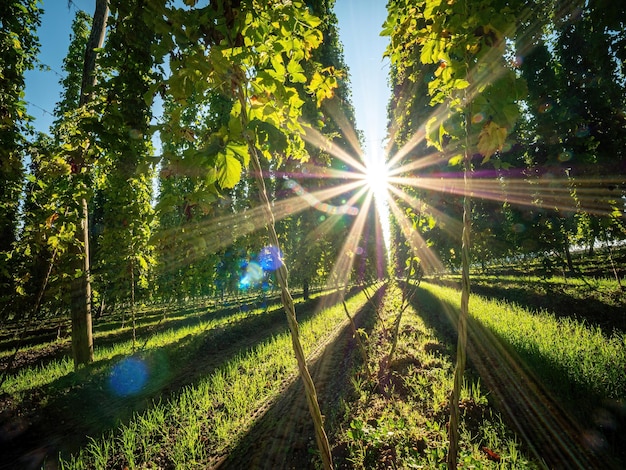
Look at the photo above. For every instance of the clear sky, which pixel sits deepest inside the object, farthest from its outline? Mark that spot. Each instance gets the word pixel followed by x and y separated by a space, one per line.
pixel 360 22
pixel 42 86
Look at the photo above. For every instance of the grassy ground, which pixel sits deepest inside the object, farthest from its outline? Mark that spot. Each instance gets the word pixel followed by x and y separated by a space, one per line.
pixel 598 302
pixel 559 381
pixel 396 416
pixel 215 385
pixel 50 408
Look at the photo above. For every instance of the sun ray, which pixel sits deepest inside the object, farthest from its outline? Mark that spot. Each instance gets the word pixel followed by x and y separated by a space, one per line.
pixel 327 224
pixel 588 195
pixel 314 137
pixel 416 138
pixel 414 166
pixel 213 235
pixel 419 246
pixel 450 224
pixel 340 273
pixel 337 114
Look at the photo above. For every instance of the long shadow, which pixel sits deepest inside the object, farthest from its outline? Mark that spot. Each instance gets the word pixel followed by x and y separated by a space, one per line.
pixel 554 300
pixel 89 402
pixel 283 436
pixel 146 317
pixel 558 422
pixel 147 325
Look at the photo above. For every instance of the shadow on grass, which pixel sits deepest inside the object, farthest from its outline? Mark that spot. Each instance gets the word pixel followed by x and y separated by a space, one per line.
pixel 161 316
pixel 89 402
pixel 560 422
pixel 178 317
pixel 283 435
pixel 151 321
pixel 157 320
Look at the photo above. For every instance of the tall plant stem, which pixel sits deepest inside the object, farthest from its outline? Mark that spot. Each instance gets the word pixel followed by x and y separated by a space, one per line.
pixel 461 351
pixel 610 251
pixel 407 296
pixel 357 337
pixel 287 300
pixel 132 293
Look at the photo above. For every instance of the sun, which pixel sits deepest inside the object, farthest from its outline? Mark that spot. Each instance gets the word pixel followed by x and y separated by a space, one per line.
pixel 377 181
pixel 377 178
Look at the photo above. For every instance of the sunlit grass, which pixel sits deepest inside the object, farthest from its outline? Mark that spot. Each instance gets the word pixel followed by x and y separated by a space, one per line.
pixel 33 377
pixel 588 357
pixel 406 422
pixel 206 418
pixel 596 297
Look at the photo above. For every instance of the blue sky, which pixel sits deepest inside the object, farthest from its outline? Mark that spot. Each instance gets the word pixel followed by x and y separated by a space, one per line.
pixel 359 21
pixel 42 87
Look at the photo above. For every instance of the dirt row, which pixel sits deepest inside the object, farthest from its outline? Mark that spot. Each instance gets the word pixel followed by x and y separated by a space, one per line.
pixel 283 436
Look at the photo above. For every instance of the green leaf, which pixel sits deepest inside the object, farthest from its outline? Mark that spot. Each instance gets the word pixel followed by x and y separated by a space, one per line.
pixel 316 81
pixel 241 150
pixel 278 65
pixel 460 84
pixel 296 72
pixel 313 38
pixel 298 78
pixel 432 132
pixel 456 160
pixel 228 170
pixel 442 133
pixel 311 20
pixel 510 113
pixel 491 139
pixel 426 56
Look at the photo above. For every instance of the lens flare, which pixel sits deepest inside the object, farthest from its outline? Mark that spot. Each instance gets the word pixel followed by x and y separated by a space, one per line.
pixel 128 377
pixel 252 277
pixel 270 258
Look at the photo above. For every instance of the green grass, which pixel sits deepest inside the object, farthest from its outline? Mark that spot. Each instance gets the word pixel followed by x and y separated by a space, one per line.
pixel 206 418
pixel 399 419
pixel 598 265
pixel 29 378
pixel 592 360
pixel 396 419
pixel 112 341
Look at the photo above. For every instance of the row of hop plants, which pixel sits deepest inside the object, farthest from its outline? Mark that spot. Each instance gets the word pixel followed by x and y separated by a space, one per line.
pixel 397 414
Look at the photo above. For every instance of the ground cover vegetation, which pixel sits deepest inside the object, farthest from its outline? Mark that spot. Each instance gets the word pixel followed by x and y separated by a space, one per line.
pixel 143 289
pixel 396 417
pixel 574 365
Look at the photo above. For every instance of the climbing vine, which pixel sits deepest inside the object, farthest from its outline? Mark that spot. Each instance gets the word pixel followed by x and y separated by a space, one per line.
pixel 474 92
pixel 19 47
pixel 215 49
